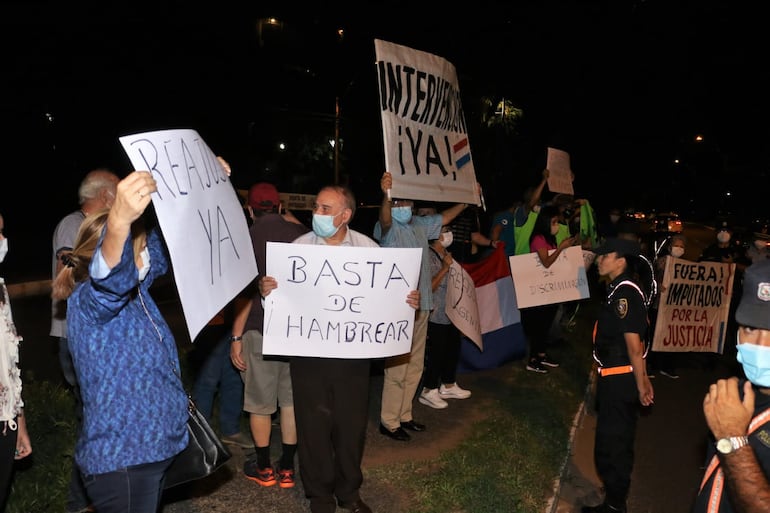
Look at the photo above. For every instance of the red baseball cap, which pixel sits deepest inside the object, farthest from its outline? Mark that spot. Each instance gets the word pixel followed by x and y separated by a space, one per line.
pixel 263 196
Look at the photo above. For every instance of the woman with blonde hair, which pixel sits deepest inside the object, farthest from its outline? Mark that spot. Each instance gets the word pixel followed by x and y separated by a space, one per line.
pixel 125 356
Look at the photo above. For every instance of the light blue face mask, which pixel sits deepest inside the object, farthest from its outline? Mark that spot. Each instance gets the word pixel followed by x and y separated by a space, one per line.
pixel 401 214
pixel 323 225
pixel 756 363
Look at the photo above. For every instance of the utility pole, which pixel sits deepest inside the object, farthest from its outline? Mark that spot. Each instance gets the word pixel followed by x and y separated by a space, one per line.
pixel 337 140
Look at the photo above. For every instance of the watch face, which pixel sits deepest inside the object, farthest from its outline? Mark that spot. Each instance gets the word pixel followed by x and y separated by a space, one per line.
pixel 724 446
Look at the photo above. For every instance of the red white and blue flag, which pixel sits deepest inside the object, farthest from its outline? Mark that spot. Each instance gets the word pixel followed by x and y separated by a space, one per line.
pixel 500 320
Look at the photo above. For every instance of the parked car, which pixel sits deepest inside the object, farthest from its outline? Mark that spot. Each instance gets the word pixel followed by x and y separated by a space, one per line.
pixel 667 222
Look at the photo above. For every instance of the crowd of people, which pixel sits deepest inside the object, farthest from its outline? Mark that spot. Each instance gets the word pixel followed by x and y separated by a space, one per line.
pixel 108 252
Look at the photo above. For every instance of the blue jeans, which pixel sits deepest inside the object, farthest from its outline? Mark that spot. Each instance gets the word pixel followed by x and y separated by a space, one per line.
pixel 135 489
pixel 217 371
pixel 77 499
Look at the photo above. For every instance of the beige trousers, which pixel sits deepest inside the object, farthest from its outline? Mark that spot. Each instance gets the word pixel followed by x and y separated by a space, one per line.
pixel 402 377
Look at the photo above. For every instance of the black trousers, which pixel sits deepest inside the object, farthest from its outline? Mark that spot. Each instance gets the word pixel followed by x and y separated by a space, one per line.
pixel 617 403
pixel 7 452
pixel 536 322
pixel 331 403
pixel 442 354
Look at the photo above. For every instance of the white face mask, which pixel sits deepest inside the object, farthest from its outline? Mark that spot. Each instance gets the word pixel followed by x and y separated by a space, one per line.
pixel 3 248
pixel 145 256
pixel 723 237
pixel 446 239
pixel 677 251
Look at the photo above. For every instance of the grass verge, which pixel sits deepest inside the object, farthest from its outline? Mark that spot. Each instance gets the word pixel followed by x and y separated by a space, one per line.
pixel 508 462
pixel 511 458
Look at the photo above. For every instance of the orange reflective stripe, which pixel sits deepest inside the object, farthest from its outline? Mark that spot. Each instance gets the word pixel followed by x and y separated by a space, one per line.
pixel 709 470
pixel 611 371
pixel 715 497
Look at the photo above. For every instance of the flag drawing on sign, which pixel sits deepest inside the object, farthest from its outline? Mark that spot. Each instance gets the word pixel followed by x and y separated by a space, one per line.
pixel 499 317
pixel 462 152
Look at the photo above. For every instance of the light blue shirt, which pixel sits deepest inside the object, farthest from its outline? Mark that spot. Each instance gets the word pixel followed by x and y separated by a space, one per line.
pixel 416 234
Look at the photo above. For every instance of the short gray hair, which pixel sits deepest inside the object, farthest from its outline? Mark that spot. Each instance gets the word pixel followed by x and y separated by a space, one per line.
pixel 95 182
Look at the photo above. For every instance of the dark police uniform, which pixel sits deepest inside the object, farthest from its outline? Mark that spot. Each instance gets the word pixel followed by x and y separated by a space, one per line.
pixel 617 396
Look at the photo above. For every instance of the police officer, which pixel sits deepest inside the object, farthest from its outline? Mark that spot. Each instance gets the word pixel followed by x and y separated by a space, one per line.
pixel 623 384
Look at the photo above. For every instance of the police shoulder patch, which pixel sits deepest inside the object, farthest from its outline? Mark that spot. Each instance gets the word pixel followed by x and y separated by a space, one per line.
pixel 621 307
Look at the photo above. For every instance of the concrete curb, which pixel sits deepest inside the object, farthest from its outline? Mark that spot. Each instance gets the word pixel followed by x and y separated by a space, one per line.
pixel 553 503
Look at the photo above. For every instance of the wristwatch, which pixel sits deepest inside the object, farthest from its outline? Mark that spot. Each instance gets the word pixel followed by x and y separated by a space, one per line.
pixel 733 443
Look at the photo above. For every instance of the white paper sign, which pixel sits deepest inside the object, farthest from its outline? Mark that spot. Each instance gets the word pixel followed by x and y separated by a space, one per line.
pixel 537 285
pixel 423 123
pixel 201 219
pixel 461 307
pixel 339 302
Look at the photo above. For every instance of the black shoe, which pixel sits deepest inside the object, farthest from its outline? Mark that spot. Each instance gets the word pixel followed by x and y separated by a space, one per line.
pixel 399 434
pixel 413 425
pixel 358 506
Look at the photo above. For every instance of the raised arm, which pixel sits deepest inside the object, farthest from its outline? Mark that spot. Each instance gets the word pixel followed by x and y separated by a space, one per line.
pixel 133 196
pixel 386 221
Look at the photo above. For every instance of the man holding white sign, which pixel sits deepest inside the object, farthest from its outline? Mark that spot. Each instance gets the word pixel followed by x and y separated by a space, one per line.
pixel 330 394
pixel 398 228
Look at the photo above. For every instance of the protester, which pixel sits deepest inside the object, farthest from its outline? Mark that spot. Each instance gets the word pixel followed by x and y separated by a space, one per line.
pixel 623 383
pixel 444 339
pixel 469 245
pixel 398 228
pixel 503 228
pixel 15 443
pixel 95 193
pixel 724 250
pixel 124 354
pixel 537 320
pixel 217 379
pixel 760 247
pixel 736 410
pixel 661 361
pixel 267 379
pixel 526 214
pixel 331 395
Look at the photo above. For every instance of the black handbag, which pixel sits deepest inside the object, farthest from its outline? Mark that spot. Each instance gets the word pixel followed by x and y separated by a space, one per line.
pixel 204 453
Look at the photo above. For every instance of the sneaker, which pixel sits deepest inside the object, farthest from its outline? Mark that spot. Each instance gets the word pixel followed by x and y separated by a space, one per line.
pixel 670 374
pixel 240 439
pixel 454 392
pixel 262 476
pixel 547 360
pixel 286 478
pixel 536 366
pixel 431 397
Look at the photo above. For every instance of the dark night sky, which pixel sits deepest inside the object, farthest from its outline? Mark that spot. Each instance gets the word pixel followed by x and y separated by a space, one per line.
pixel 622 85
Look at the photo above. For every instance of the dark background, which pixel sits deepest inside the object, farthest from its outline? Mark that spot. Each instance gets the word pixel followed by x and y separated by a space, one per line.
pixel 623 86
